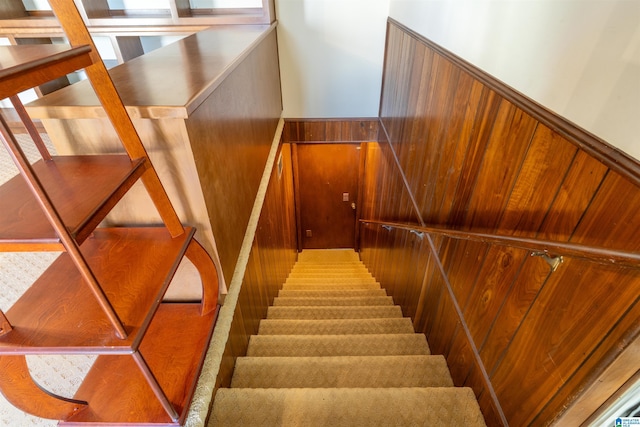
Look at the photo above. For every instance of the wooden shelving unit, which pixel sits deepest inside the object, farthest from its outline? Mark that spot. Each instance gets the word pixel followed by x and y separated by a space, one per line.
pixel 125 27
pixel 104 294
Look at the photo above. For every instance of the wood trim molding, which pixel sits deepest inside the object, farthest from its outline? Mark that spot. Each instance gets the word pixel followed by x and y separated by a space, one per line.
pixel 593 145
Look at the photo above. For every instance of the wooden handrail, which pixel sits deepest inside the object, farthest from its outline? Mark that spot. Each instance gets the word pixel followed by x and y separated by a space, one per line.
pixel 549 247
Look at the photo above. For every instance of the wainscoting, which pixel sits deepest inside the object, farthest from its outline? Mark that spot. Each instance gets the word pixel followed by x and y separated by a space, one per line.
pixel 272 256
pixel 459 149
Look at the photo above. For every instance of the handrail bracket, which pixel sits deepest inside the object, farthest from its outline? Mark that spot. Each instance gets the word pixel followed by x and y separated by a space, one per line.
pixel 554 262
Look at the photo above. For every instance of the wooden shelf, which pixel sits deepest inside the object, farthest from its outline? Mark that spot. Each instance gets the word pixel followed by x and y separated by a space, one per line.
pixel 103 295
pixel 59 314
pixel 23 67
pixel 83 189
pixel 174 348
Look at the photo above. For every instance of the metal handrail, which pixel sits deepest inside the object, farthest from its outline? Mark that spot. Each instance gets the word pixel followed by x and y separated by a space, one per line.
pixel 538 246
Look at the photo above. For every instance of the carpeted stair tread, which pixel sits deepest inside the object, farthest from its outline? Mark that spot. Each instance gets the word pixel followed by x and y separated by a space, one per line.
pixel 357 312
pixel 330 268
pixel 329 281
pixel 332 293
pixel 332 301
pixel 335 326
pixel 335 351
pixel 321 286
pixel 337 345
pixel 347 407
pixel 333 255
pixel 329 275
pixel 341 371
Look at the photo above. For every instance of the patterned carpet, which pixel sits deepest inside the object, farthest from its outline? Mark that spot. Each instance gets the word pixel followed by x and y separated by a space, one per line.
pixel 61 375
pixel 334 352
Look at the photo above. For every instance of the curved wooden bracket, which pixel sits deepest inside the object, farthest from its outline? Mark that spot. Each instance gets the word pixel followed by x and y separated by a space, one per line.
pixel 19 388
pixel 208 275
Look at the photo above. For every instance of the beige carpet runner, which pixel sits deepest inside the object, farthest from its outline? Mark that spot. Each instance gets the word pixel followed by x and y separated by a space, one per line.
pixel 335 351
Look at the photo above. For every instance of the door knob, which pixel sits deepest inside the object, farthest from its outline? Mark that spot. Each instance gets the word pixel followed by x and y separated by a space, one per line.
pixel 353 206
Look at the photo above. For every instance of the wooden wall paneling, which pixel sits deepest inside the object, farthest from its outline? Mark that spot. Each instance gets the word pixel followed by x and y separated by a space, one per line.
pixel 506 149
pixel 486 112
pixel 230 150
pixel 458 145
pixel 416 120
pixel 562 327
pixel 500 269
pixel 442 88
pixel 539 181
pixel 421 310
pixel 578 189
pixel 463 261
pixel 519 298
pixel 272 256
pixel 396 45
pixel 443 321
pixel 331 130
pixel 490 411
pixel 495 160
pixel 612 219
pixel 460 359
pixel 607 356
pixel 417 268
pixel 236 346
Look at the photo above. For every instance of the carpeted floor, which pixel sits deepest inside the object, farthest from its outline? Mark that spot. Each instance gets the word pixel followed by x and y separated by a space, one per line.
pixel 334 351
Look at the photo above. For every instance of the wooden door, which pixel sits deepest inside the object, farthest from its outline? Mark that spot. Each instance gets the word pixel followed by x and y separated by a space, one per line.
pixel 327 190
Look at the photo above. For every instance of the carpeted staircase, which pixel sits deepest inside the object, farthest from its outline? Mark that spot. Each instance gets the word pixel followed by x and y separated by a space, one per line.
pixel 335 351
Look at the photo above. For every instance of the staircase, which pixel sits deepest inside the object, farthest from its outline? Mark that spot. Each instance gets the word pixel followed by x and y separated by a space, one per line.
pixel 335 351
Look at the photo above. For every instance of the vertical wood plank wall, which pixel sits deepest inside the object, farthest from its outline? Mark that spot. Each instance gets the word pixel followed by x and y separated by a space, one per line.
pixel 460 149
pixel 273 253
pixel 330 130
pixel 231 134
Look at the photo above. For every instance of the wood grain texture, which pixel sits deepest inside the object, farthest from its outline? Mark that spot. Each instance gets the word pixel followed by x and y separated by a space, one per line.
pixel 230 138
pixel 475 155
pixel 330 130
pixel 273 253
pixel 216 154
pixel 326 172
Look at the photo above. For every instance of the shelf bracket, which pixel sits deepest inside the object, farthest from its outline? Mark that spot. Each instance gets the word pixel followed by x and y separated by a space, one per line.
pixel 208 275
pixel 18 387
pixel 5 326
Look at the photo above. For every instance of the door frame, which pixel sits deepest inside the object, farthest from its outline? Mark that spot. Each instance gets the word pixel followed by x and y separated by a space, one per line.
pixel 359 194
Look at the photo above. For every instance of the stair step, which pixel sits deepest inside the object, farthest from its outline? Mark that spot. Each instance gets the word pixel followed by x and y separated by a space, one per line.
pixel 338 407
pixel 367 312
pixel 337 345
pixel 341 371
pixel 348 293
pixel 329 281
pixel 318 286
pixel 333 255
pixel 332 301
pixel 330 266
pixel 335 326
pixel 328 274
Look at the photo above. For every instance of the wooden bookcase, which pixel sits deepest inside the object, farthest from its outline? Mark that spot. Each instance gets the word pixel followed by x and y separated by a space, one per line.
pixel 126 27
pixel 103 295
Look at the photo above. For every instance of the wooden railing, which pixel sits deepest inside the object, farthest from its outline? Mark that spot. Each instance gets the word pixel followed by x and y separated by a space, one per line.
pixel 548 247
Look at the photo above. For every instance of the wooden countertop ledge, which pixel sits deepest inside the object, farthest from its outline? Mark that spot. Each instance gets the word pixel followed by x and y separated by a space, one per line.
pixel 170 82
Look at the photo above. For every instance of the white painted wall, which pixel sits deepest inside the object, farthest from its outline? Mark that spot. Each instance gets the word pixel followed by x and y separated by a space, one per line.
pixel 579 58
pixel 331 55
